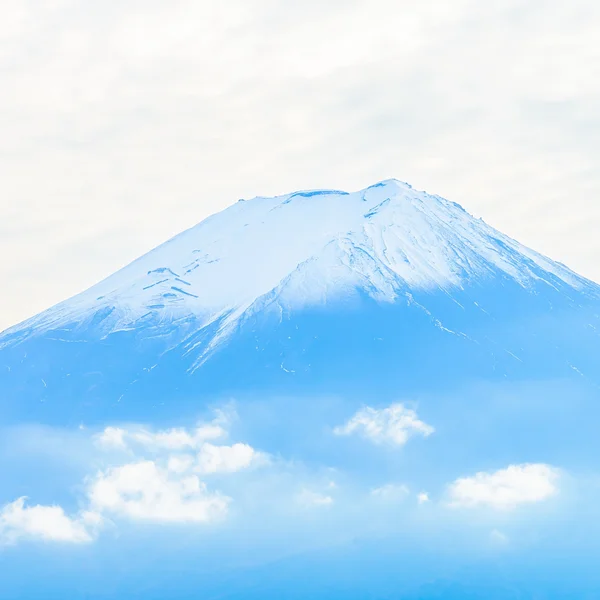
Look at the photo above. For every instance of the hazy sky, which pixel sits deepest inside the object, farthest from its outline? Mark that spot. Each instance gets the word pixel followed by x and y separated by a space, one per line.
pixel 123 122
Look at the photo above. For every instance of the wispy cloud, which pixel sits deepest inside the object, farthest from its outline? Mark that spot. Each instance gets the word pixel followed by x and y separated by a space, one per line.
pixel 391 492
pixel 422 497
pixel 312 499
pixel 178 438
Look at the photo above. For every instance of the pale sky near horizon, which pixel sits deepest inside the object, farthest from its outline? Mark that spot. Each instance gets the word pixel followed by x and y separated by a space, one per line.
pixel 123 122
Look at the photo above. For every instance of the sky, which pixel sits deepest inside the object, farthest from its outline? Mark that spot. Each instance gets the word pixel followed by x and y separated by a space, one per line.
pixel 126 121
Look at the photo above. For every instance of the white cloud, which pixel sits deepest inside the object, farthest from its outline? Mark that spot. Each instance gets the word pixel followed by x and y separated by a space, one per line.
pixel 49 523
pixel 180 463
pixel 394 425
pixel 164 486
pixel 177 438
pixel 160 482
pixel 228 459
pixel 311 499
pixel 210 458
pixel 144 491
pixel 507 488
pixel 112 438
pixel 423 498
pixel 391 492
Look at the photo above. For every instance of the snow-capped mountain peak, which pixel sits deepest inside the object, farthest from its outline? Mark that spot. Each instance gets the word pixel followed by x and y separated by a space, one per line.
pixel 306 248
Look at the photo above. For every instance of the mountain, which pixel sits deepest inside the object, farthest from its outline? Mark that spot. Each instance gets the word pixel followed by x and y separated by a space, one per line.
pixel 314 289
pixel 317 395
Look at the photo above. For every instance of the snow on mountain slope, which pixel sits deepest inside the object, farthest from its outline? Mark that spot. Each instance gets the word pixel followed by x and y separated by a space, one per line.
pixel 307 247
pixel 387 290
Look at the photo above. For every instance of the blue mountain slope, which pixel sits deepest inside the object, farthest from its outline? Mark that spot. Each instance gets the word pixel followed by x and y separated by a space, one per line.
pixel 353 302
pixel 300 311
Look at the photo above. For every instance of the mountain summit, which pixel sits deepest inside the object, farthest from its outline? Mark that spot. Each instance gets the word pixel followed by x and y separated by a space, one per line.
pixel 302 249
pixel 384 257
